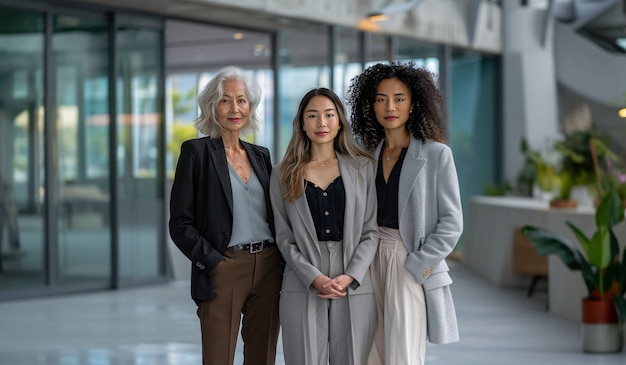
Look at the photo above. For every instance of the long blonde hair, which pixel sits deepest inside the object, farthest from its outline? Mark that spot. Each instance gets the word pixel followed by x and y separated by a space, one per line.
pixel 298 152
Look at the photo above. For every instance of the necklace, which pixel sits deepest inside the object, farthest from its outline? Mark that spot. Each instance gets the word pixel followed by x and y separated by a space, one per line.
pixel 322 164
pixel 391 153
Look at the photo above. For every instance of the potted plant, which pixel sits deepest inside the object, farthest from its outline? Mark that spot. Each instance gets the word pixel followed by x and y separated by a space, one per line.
pixel 603 271
pixel 610 177
pixel 538 172
pixel 579 152
pixel 564 183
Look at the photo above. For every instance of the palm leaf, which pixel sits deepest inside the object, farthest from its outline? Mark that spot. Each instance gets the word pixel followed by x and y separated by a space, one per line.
pixel 548 243
pixel 582 238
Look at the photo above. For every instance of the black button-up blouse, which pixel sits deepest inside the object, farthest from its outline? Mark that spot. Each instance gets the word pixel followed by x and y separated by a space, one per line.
pixel 327 208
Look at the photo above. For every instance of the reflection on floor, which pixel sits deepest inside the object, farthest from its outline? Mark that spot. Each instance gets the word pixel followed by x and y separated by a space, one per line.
pixel 157 325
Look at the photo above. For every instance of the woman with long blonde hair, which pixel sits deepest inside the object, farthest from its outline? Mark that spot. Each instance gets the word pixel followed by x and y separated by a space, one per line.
pixel 323 197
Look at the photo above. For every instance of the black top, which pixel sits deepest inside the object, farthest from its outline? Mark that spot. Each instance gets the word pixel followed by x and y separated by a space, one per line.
pixel 388 192
pixel 327 208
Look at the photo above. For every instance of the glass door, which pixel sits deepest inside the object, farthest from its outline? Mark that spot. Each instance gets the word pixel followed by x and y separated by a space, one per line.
pixel 22 235
pixel 139 151
pixel 80 149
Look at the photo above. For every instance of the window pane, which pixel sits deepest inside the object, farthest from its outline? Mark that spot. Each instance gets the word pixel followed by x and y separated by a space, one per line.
pixel 302 67
pixel 347 59
pixel 80 55
pixel 474 119
pixel 140 201
pixel 21 146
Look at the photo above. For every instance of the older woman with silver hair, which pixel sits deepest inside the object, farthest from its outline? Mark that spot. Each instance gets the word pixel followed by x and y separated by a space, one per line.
pixel 221 219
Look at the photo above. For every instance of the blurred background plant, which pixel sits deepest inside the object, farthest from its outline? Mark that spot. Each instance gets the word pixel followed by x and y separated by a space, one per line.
pixel 538 170
pixel 611 176
pixel 580 152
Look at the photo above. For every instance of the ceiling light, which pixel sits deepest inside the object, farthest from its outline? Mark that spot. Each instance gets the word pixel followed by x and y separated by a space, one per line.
pixel 238 36
pixel 377 17
pixel 622 113
pixel 388 7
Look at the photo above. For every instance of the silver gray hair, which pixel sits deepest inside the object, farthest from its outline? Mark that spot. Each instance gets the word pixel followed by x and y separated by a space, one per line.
pixel 207 122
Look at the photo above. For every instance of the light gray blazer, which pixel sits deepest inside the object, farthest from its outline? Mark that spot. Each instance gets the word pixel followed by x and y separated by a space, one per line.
pixel 297 239
pixel 431 222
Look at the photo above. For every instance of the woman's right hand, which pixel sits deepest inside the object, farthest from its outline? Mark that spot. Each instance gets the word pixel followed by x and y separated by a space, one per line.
pixel 330 291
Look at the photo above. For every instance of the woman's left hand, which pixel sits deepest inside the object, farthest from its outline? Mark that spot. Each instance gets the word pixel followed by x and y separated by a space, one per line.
pixel 337 287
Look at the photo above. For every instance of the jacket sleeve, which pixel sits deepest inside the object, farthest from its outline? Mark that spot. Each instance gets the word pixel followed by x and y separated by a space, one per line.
pixel 286 237
pixel 183 223
pixel 438 244
pixel 368 240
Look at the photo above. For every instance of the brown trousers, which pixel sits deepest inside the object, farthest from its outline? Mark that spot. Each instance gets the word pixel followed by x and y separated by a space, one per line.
pixel 245 284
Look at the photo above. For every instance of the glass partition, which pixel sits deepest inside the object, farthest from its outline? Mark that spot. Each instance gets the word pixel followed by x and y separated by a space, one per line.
pixel 347 58
pixel 138 140
pixel 81 134
pixel 474 120
pixel 423 54
pixel 22 239
pixel 303 64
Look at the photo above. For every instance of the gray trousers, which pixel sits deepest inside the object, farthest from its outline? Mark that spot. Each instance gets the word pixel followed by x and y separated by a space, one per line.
pixel 318 331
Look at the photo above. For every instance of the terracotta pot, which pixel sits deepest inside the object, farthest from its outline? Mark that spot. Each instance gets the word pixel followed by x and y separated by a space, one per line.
pixel 601 331
pixel 563 203
pixel 598 311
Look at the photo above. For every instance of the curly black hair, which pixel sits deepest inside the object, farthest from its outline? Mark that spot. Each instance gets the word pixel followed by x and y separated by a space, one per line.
pixel 428 121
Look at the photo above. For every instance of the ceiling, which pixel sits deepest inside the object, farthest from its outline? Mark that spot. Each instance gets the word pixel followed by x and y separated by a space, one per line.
pixel 602 21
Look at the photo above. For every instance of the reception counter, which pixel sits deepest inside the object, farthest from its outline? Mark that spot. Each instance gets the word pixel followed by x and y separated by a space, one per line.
pixel 488 245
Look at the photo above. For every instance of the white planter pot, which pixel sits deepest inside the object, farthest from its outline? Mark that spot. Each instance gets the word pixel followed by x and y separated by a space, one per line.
pixel 602 338
pixel 582 194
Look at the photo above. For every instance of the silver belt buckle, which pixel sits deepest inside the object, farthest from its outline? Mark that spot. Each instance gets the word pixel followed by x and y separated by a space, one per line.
pixel 256 246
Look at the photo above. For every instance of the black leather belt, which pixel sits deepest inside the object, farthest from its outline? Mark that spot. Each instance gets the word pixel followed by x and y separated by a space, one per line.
pixel 253 247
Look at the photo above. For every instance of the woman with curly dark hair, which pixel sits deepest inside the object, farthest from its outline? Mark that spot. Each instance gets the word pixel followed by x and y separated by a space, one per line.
pixel 398 113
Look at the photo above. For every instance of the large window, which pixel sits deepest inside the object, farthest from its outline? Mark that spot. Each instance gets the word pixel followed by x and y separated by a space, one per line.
pixel 63 160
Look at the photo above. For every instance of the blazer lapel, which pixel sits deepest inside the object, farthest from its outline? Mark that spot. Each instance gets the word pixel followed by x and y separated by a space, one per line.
pixel 413 164
pixel 302 208
pixel 218 156
pixel 258 165
pixel 349 176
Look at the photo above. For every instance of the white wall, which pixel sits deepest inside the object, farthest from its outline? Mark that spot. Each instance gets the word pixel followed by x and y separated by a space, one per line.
pixel 529 84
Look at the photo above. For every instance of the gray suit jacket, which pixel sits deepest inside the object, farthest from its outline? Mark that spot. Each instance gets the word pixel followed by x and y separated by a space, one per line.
pixel 431 222
pixel 297 239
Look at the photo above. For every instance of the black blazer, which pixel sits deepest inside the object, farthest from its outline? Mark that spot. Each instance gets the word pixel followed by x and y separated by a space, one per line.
pixel 201 205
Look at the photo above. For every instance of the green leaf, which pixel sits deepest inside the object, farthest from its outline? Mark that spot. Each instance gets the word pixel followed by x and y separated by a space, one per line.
pixel 548 243
pixel 599 253
pixel 590 275
pixel 610 211
pixel 621 276
pixel 582 238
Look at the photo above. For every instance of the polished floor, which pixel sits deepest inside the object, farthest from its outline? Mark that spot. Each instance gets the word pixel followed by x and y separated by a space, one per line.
pixel 157 325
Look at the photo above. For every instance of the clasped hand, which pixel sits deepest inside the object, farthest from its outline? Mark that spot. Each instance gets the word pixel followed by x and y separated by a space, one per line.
pixel 332 288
